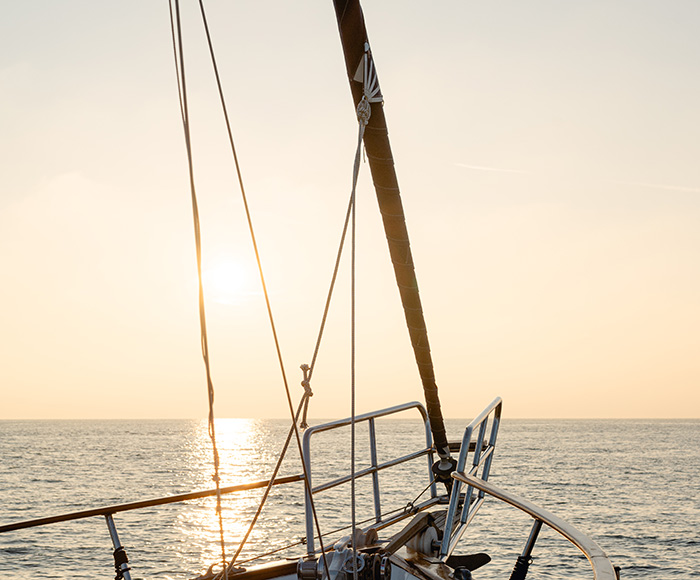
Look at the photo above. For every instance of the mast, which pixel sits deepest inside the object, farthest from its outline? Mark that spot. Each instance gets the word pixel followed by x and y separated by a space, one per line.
pixel 360 68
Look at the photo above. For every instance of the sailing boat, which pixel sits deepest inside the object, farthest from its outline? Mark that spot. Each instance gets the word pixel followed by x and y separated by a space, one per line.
pixel 420 541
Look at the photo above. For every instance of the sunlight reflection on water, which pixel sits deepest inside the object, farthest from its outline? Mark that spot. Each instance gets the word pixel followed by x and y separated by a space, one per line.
pixel 630 484
pixel 248 449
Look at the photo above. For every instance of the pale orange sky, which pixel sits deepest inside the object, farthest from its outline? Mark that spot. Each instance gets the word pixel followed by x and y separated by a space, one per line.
pixel 548 158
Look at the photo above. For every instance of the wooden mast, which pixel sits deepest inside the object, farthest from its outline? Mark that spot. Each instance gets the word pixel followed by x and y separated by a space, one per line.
pixel 353 35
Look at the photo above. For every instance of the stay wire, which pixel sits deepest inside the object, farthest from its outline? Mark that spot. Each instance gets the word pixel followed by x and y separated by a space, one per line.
pixel 353 238
pixel 182 86
pixel 260 270
pixel 352 391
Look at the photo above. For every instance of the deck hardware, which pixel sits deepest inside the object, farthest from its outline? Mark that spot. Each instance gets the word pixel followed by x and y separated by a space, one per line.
pixel 381 567
pixel 442 470
pixel 384 568
pixel 348 568
pixel 462 573
pixel 308 570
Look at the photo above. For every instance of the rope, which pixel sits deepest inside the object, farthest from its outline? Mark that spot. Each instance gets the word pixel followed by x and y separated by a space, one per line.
pixel 411 504
pixel 182 89
pixel 363 116
pixel 364 111
pixel 177 61
pixel 309 369
pixel 302 403
pixel 260 268
pixel 308 393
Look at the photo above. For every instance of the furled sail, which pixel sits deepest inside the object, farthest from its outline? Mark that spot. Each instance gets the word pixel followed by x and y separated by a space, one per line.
pixel 364 83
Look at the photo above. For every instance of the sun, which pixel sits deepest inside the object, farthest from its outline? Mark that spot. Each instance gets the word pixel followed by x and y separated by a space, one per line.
pixel 225 282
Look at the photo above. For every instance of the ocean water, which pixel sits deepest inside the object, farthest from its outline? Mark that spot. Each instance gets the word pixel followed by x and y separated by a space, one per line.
pixel 632 485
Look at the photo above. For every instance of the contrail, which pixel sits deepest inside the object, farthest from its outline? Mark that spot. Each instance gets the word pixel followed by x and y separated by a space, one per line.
pixel 660 186
pixel 496 169
pixel 664 186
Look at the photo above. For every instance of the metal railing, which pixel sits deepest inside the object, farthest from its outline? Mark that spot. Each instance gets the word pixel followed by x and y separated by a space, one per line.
pixel 108 511
pixel 482 456
pixel 374 468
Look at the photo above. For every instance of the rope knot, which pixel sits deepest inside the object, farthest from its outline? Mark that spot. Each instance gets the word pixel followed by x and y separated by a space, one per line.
pixel 364 111
pixel 306 381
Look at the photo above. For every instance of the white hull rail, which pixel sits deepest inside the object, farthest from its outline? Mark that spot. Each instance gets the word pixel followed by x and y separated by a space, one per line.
pixel 602 567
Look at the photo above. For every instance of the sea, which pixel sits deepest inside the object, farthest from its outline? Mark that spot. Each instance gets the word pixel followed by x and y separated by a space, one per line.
pixel 632 485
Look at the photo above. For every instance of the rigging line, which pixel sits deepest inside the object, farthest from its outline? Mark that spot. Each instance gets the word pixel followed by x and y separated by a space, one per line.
pixel 404 509
pixel 260 269
pixel 352 390
pixel 175 57
pixel 364 112
pixel 362 122
pixel 308 370
pixel 330 290
pixel 270 484
pixel 202 314
pixel 303 540
pixel 421 493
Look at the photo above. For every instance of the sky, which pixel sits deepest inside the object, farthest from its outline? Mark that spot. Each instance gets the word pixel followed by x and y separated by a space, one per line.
pixel 547 154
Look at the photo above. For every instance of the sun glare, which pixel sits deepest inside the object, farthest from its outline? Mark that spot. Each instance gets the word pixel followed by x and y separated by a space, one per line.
pixel 225 282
